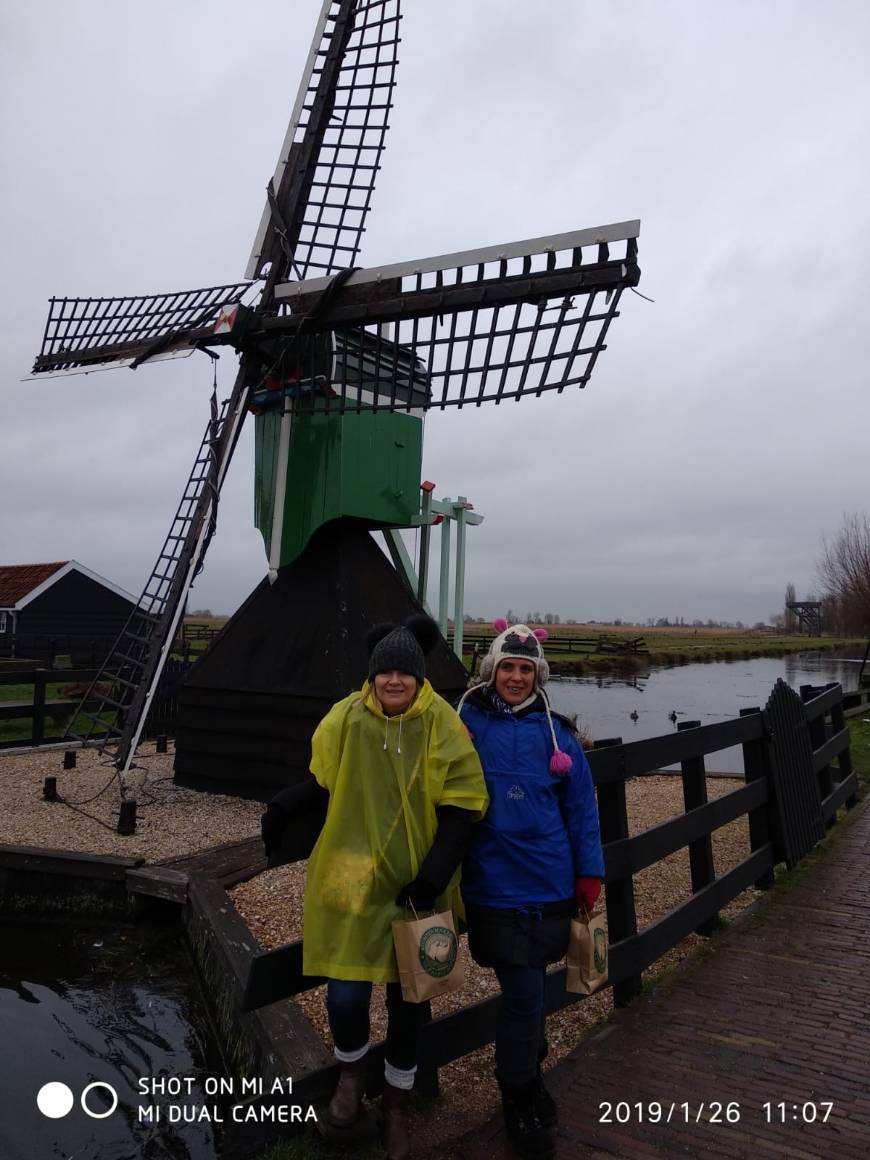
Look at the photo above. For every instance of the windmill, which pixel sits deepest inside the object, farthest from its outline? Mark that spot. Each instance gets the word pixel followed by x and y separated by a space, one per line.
pixel 337 364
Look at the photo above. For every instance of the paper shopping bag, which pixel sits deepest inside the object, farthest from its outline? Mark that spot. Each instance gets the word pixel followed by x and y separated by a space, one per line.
pixel 587 955
pixel 427 951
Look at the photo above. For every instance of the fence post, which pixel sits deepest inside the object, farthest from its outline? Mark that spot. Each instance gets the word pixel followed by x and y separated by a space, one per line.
pixel 755 768
pixel 37 729
pixel 818 737
pixel 844 761
pixel 619 894
pixel 701 850
pixel 426 1079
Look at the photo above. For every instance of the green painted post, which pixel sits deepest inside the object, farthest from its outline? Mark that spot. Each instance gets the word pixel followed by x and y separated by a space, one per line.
pixel 444 593
pixel 459 596
pixel 425 532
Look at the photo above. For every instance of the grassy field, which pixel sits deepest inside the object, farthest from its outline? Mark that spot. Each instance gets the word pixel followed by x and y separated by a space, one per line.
pixel 670 646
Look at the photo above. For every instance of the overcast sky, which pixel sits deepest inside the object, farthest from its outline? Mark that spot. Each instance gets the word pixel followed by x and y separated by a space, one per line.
pixel 725 429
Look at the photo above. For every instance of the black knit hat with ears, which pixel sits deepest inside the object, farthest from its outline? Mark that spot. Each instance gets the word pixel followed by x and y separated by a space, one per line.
pixel 402 646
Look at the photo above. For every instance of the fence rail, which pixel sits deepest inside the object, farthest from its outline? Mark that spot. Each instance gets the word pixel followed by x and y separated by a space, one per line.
pixel 771 813
pixel 559 645
pixel 45 711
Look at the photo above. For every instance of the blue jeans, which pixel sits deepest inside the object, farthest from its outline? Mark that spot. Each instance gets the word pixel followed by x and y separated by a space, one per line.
pixel 347 1006
pixel 519 1035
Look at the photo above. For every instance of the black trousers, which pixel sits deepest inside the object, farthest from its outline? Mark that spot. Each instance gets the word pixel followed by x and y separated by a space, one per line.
pixel 518 944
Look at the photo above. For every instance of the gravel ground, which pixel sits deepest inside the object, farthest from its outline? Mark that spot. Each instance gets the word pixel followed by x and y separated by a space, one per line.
pixel 173 821
pixel 169 820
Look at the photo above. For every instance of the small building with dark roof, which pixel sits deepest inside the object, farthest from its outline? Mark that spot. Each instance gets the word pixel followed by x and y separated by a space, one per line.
pixel 59 607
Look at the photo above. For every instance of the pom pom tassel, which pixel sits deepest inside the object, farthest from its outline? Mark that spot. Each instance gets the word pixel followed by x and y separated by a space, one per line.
pixel 561 763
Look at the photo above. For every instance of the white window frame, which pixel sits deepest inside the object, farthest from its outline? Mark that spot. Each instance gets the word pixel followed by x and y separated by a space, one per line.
pixel 2 621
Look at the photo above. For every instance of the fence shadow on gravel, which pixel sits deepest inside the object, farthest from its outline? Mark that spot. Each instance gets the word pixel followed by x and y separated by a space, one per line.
pixel 797 774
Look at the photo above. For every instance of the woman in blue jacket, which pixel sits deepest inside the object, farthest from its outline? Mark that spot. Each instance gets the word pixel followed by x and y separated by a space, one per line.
pixel 535 858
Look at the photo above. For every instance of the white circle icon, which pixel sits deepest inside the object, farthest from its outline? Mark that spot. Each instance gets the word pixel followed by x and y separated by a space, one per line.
pixel 54 1100
pixel 99 1115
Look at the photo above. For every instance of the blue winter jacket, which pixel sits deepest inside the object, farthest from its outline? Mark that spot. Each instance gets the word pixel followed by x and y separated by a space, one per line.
pixel 541 831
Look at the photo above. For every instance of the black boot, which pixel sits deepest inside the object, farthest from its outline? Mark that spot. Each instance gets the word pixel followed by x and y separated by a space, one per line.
pixel 525 1130
pixel 545 1106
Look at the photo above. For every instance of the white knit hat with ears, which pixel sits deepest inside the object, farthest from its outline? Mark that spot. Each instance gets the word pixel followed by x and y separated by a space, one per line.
pixel 516 642
pixel 519 642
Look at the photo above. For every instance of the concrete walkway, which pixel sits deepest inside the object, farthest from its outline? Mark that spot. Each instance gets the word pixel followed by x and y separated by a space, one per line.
pixel 778 1015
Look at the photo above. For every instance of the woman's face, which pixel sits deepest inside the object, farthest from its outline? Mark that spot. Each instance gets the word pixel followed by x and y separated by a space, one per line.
pixel 515 680
pixel 396 691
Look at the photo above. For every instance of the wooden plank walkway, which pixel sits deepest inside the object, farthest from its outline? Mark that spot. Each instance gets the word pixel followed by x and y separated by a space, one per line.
pixel 779 1014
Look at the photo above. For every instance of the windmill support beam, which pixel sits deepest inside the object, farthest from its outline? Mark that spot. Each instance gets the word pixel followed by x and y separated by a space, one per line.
pixel 426 519
pixel 460 259
pixel 460 512
pixel 388 301
pixel 444 585
pixel 401 559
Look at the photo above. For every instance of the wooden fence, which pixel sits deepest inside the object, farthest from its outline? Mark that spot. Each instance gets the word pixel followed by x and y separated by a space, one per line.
pixel 89 652
pixel 48 714
pixel 797 774
pixel 81 652
pixel 566 645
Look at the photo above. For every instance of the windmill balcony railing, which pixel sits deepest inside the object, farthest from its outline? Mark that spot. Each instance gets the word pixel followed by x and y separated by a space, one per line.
pixel 797 774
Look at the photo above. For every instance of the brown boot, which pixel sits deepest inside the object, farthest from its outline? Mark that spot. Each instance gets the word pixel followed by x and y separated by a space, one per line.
pixel 346 1103
pixel 394 1130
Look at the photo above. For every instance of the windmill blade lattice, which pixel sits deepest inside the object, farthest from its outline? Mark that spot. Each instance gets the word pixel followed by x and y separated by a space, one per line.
pixel 322 188
pixel 92 332
pixel 471 328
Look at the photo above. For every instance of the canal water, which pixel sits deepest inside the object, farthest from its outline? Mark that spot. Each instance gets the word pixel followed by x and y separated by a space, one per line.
pixel 715 691
pixel 107 1004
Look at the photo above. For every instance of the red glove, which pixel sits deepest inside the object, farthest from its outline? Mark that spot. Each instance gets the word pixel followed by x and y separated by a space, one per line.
pixel 587 891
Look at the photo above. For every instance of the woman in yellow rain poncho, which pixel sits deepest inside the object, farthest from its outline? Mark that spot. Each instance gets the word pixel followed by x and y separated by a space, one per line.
pixel 405 786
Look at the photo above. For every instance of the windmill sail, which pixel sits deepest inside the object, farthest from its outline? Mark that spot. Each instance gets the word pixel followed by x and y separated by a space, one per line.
pixel 320 356
pixel 474 327
pixel 322 187
pixel 85 333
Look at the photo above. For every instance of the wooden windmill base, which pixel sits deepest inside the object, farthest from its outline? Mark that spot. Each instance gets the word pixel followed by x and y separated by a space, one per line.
pixel 248 708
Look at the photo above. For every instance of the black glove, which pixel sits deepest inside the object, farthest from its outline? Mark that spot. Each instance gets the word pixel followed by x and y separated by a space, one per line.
pixel 293 821
pixel 272 825
pixel 419 894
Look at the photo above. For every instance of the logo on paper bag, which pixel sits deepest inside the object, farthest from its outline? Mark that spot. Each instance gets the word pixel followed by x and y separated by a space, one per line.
pixel 599 950
pixel 438 950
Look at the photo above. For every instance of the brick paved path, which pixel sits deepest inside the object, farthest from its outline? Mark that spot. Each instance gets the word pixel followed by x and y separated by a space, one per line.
pixel 780 1012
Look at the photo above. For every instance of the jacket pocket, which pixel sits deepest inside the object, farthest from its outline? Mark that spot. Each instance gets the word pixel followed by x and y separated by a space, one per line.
pixel 522 806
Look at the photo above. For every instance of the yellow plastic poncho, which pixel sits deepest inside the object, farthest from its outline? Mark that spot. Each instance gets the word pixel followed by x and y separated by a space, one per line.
pixel 385 776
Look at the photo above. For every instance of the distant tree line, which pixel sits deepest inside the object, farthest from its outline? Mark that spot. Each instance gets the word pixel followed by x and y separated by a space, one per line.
pixel 553 618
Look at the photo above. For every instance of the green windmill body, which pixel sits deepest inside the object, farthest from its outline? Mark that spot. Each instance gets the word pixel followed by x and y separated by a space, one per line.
pixel 314 464
pixel 364 465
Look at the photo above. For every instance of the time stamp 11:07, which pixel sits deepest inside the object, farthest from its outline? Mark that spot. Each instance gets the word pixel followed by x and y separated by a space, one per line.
pixel 712 1112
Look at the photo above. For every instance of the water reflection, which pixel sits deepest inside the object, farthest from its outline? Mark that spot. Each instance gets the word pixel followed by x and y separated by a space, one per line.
pixel 83 1003
pixel 636 706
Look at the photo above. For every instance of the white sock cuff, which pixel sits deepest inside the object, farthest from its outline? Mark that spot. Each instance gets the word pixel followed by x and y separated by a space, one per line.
pixel 350 1056
pixel 395 1077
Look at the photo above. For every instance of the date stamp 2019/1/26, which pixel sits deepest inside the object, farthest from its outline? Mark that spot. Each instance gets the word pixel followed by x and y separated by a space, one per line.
pixel 712 1112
